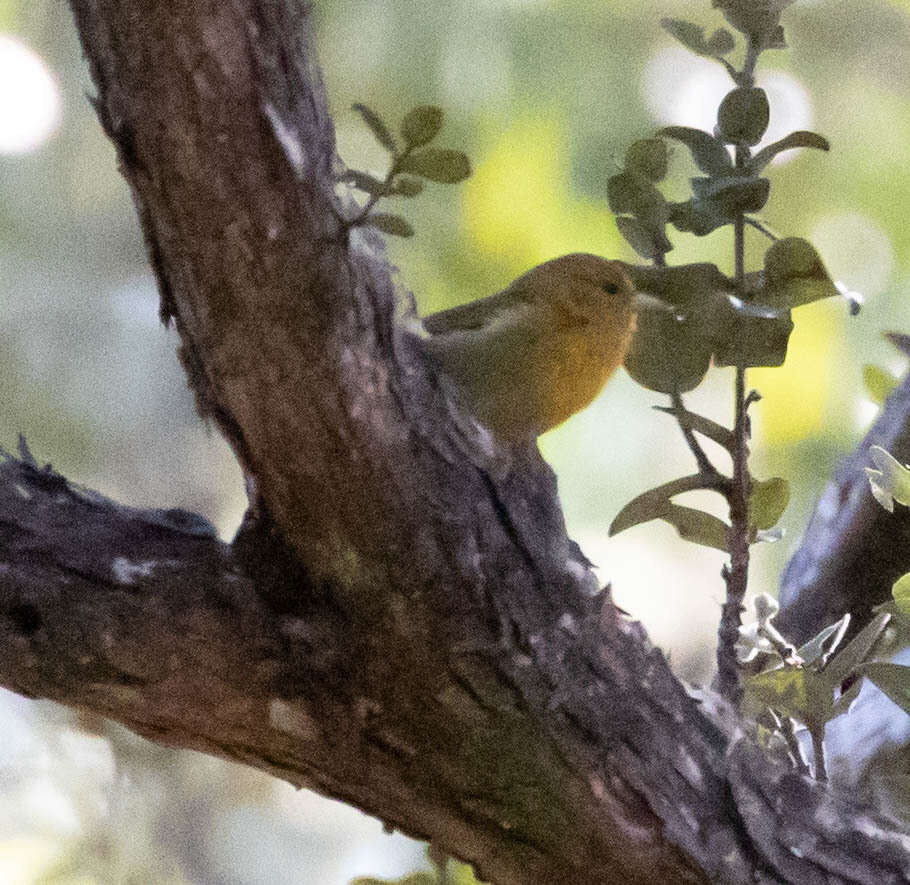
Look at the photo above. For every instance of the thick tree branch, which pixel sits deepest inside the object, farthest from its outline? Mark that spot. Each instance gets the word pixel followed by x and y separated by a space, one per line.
pixel 402 622
pixel 853 550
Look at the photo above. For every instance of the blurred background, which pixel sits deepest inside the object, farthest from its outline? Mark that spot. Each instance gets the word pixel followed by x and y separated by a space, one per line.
pixel 544 96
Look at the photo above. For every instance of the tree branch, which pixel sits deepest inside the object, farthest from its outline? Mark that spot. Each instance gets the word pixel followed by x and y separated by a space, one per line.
pixel 853 550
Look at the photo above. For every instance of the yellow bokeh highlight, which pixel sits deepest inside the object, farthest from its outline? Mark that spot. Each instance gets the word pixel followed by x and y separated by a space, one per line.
pixel 25 859
pixel 518 207
pixel 794 395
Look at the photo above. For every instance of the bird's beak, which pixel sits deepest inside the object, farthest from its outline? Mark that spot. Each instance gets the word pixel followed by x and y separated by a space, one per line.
pixel 643 301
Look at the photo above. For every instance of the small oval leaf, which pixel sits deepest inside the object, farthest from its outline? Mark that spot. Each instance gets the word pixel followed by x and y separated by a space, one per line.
pixel 767 502
pixel 901 593
pixel 689 34
pixel 365 182
pixel 892 679
pixel 405 187
pixel 708 153
pixel 377 126
pixel 630 192
pixel 390 224
pixel 879 383
pixel 889 479
pixel 747 340
pixel 800 139
pixel 648 157
pixel 720 42
pixel 846 661
pixel 639 237
pixel 654 503
pixel 437 164
pixel 794 275
pixel 743 115
pixel 697 526
pixel 421 125
pixel 667 354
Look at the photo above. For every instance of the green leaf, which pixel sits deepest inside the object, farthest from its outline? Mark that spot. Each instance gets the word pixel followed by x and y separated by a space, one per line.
pixel 695 218
pixel 390 224
pixel 783 689
pixel 689 34
pixel 377 126
pixel 405 187
pixel 901 593
pixel 879 383
pixel 632 193
pixel 824 643
pixel 654 503
pixel 648 157
pixel 642 240
pixel 794 275
pixel 889 479
pixel 693 37
pixel 743 115
pixel 720 43
pixel 690 287
pixel 892 679
pixel 743 339
pixel 421 125
pixel 437 164
pixel 668 354
pixel 705 426
pixel 759 20
pixel 709 154
pixel 767 502
pixel 800 139
pixel 365 182
pixel 697 526
pixel 733 194
pixel 846 661
pixel 718 201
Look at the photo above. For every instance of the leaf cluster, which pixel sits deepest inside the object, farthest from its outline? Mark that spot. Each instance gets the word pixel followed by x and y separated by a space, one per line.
pixel 697 315
pixel 746 322
pixel 814 683
pixel 767 498
pixel 413 161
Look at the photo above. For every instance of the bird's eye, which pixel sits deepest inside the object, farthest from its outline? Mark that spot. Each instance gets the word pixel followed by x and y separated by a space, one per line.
pixel 611 288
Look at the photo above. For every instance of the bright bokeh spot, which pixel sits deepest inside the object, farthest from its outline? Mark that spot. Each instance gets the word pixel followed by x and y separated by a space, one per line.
pixel 682 89
pixel 518 206
pixel 25 859
pixel 856 251
pixel 791 108
pixel 30 106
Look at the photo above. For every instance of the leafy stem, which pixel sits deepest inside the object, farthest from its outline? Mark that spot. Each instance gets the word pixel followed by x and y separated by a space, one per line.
pixel 379 193
pixel 414 162
pixel 705 466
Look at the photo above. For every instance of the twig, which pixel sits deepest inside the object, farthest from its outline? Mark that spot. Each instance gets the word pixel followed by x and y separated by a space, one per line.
pixel 701 458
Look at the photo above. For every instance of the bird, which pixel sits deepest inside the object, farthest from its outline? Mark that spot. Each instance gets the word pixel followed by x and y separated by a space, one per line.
pixel 534 354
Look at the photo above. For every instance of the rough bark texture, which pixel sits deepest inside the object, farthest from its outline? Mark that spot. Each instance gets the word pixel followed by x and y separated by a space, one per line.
pixel 402 622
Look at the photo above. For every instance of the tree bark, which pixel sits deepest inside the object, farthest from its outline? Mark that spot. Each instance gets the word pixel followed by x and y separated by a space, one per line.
pixel 402 622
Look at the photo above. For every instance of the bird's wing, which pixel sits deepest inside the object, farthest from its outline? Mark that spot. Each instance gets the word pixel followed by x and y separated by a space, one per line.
pixel 477 314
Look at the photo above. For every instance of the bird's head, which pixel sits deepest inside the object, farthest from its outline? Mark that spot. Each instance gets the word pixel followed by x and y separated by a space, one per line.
pixel 588 287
